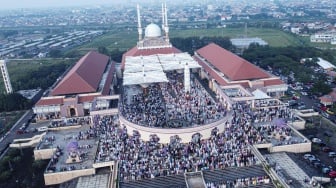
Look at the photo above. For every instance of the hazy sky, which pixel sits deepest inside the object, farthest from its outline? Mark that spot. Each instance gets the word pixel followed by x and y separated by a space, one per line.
pixel 10 4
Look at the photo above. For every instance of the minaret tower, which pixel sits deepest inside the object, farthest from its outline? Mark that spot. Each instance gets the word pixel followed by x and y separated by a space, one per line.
pixel 166 28
pixel 5 76
pixel 139 23
pixel 163 18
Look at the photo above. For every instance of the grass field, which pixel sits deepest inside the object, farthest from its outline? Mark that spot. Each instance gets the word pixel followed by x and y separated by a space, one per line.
pixel 126 39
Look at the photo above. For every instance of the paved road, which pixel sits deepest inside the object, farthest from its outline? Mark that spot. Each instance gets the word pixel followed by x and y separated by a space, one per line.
pixel 12 133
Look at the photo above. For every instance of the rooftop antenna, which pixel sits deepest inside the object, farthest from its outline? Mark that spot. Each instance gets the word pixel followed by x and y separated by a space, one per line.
pixel 166 23
pixel 139 23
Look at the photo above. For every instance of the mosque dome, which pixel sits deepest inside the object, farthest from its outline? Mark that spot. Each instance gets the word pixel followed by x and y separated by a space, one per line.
pixel 152 30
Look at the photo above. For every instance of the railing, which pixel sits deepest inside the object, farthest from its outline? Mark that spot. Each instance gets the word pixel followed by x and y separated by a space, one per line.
pixel 268 169
pixel 164 134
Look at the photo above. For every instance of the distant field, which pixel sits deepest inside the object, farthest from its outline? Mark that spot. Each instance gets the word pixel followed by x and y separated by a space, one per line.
pixel 125 39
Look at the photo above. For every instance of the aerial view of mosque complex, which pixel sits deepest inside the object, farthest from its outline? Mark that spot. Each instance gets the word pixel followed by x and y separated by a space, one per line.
pixel 166 118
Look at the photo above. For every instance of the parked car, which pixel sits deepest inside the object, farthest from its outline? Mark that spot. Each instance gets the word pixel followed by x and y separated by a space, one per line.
pixel 307 155
pixel 328 134
pixel 325 170
pixel 316 140
pixel 332 154
pixel 326 149
pixel 332 174
pixel 317 164
pixel 20 131
pixel 42 129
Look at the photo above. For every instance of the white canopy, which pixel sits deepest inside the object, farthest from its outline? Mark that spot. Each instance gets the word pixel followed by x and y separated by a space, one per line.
pixel 177 61
pixel 258 94
pixel 142 63
pixel 144 78
pixel 151 69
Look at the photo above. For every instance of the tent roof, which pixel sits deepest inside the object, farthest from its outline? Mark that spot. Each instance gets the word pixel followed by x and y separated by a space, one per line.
pixel 144 77
pixel 151 69
pixel 258 94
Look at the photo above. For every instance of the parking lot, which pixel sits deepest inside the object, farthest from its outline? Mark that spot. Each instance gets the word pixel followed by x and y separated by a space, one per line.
pixel 322 160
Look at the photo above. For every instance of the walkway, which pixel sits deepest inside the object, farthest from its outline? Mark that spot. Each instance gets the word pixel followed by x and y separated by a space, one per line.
pixel 288 169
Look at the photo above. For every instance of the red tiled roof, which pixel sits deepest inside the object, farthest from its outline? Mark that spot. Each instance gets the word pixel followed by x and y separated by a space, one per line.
pixel 326 99
pixel 212 72
pixel 145 52
pixel 233 66
pixel 84 77
pixel 273 82
pixel 86 98
pixel 51 101
pixel 244 84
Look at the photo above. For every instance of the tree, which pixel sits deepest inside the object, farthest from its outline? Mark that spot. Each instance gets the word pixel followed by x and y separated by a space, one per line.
pixel 116 55
pixel 103 50
pixel 5 175
pixel 321 88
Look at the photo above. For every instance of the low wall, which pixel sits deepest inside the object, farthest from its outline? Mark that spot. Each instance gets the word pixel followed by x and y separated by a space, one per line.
pixel 164 134
pixel 28 139
pixel 44 153
pixel 306 113
pixel 112 111
pixel 263 146
pixel 61 177
pixel 300 123
pixel 64 128
pixel 103 164
pixel 27 142
pixel 293 148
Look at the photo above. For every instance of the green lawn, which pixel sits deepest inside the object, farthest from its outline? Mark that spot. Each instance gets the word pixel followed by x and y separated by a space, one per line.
pixel 274 37
pixel 125 39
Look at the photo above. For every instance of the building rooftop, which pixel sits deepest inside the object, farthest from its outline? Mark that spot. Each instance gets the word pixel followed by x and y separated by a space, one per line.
pixel 84 77
pixel 234 67
pixel 146 52
pixel 152 68
pixel 325 64
pixel 246 42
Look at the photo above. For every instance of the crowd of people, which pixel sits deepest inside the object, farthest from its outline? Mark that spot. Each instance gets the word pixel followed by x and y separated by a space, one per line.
pixel 168 105
pixel 159 104
pixel 139 159
pixel 266 115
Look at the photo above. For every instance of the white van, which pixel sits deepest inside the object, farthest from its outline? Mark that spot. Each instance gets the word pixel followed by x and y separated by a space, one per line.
pixel 42 129
pixel 332 154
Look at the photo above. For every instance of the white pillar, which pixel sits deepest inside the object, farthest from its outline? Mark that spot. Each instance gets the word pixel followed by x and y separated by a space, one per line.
pixel 186 78
pixel 166 23
pixel 139 23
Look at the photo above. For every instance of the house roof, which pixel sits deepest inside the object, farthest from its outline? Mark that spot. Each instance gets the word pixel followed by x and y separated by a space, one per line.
pixel 212 72
pixel 146 52
pixel 88 98
pixel 84 77
pixel 273 82
pixel 325 64
pixel 234 67
pixel 49 101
